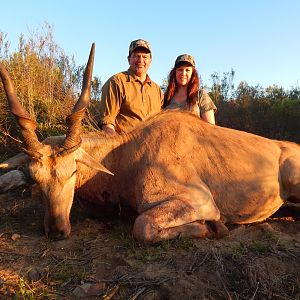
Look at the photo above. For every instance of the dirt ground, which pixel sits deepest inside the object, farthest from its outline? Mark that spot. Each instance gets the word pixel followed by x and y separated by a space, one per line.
pixel 101 260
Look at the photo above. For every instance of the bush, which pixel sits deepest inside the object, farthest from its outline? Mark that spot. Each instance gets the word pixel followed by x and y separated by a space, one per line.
pixel 46 80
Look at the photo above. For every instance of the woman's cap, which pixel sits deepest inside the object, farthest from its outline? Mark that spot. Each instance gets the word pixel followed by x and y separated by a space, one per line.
pixel 139 44
pixel 185 58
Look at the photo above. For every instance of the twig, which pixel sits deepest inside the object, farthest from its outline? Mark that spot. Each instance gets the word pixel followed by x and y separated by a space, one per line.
pixel 15 253
pixel 192 268
pixel 130 280
pixel 8 135
pixel 111 293
pixel 252 298
pixel 70 258
pixel 224 286
pixel 135 296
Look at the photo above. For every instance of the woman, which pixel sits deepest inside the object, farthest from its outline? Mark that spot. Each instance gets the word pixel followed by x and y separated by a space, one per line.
pixel 184 92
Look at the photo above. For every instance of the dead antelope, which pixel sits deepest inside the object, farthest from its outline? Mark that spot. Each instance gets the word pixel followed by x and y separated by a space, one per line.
pixel 181 175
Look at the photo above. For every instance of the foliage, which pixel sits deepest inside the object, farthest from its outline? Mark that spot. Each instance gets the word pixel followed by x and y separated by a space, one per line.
pixel 25 292
pixel 271 112
pixel 46 80
pixel 222 87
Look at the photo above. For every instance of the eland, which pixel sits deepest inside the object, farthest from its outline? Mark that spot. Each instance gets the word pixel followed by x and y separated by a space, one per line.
pixel 180 174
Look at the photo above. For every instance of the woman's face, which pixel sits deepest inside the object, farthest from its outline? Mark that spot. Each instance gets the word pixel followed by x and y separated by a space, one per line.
pixel 184 74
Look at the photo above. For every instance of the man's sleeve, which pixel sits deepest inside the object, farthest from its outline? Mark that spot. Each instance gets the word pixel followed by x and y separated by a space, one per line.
pixel 110 103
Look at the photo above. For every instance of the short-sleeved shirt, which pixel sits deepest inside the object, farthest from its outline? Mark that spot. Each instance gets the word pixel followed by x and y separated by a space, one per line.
pixel 125 101
pixel 204 103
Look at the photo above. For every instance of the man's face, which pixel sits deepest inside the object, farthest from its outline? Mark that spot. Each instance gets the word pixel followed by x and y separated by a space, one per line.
pixel 140 61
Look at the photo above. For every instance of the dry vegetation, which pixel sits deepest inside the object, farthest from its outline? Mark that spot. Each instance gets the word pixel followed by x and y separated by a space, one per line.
pixel 102 261
pixel 47 83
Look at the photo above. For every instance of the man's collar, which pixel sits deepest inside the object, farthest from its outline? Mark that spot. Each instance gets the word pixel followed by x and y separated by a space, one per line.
pixel 132 76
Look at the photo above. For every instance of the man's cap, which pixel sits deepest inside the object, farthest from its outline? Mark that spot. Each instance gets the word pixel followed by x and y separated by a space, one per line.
pixel 139 44
pixel 185 58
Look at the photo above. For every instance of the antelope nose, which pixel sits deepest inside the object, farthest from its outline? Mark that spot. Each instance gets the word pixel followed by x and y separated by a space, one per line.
pixel 59 229
pixel 58 234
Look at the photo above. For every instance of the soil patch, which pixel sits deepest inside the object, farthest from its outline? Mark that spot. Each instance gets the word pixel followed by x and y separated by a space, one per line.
pixel 101 260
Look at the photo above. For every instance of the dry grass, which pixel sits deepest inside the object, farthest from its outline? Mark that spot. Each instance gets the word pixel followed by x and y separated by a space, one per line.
pixel 255 262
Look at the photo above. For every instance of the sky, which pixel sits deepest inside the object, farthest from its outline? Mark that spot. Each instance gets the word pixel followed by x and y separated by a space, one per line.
pixel 258 39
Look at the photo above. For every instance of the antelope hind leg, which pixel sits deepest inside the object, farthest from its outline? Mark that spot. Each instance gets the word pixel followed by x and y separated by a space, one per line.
pixel 290 174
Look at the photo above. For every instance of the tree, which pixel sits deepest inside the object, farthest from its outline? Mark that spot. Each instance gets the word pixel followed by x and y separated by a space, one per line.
pixel 222 87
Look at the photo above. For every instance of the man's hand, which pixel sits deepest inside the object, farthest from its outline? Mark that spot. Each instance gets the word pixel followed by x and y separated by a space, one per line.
pixel 109 128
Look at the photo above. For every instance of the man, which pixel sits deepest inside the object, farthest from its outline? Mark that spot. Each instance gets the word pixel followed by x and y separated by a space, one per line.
pixel 129 97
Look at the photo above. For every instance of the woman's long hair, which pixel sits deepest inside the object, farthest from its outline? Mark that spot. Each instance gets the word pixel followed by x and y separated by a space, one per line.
pixel 192 89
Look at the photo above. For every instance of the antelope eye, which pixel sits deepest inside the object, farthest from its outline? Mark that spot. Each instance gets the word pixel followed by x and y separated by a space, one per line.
pixel 74 173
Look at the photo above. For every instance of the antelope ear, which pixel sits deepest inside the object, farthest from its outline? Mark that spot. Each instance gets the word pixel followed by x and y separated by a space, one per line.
pixel 15 161
pixel 89 161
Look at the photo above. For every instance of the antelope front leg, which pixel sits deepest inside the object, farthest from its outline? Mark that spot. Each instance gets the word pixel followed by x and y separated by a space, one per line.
pixel 177 216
